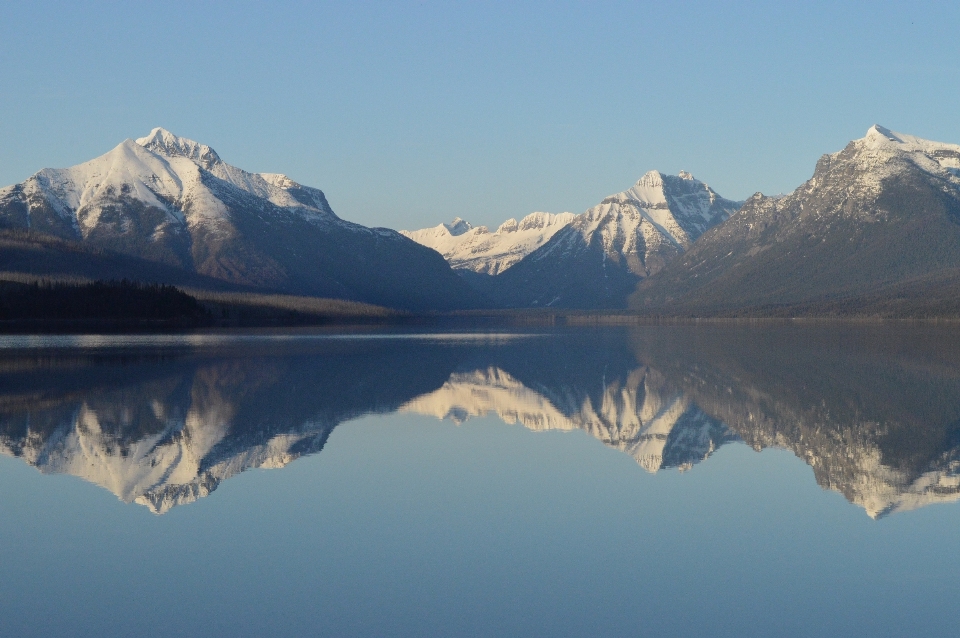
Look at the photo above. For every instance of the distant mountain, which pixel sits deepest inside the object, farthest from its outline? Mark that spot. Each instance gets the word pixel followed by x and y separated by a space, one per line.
pixel 876 230
pixel 476 249
pixel 597 260
pixel 172 201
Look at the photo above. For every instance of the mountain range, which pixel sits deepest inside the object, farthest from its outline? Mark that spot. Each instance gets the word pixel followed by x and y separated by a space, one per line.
pixel 598 257
pixel 475 249
pixel 875 231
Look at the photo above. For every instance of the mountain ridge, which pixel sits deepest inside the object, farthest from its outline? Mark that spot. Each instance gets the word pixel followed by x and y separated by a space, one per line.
pixel 875 230
pixel 476 249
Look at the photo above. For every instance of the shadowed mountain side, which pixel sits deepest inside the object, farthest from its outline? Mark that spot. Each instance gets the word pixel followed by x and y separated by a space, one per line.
pixel 338 261
pixel 589 277
pixel 874 411
pixel 33 255
pixel 165 430
pixel 932 296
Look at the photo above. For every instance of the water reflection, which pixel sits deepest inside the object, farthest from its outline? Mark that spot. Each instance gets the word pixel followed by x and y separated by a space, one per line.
pixel 874 411
pixel 638 414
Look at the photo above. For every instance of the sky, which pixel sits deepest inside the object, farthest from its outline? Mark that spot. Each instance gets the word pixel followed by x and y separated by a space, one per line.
pixel 408 114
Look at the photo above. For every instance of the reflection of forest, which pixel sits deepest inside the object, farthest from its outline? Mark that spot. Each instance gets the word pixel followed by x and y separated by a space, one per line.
pixel 875 411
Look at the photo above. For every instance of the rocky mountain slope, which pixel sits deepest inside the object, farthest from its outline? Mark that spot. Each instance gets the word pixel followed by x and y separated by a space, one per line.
pixel 876 230
pixel 476 249
pixel 597 260
pixel 172 201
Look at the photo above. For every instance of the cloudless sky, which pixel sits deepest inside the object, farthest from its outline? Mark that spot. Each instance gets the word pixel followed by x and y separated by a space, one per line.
pixel 407 114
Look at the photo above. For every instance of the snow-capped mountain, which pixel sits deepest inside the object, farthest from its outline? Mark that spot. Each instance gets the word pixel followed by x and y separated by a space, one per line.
pixel 597 260
pixel 475 248
pixel 876 230
pixel 171 200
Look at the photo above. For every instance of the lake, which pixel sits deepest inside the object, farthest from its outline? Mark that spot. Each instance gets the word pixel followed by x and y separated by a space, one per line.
pixel 688 480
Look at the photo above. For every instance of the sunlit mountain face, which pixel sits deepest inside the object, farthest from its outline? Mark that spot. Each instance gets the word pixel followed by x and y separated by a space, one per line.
pixel 875 412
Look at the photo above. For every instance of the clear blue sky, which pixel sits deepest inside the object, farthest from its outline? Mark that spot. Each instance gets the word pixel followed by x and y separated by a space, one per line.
pixel 407 114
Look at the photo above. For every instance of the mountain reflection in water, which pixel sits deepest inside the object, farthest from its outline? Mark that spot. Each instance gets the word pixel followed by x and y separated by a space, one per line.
pixel 875 411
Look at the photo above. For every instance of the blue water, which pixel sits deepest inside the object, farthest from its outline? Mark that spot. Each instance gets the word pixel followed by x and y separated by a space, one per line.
pixel 390 523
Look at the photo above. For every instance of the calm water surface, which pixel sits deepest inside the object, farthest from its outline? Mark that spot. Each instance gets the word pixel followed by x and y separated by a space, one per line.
pixel 667 481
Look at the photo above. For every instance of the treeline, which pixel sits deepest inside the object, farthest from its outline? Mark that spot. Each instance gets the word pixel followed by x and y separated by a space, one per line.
pixel 110 301
pixel 56 306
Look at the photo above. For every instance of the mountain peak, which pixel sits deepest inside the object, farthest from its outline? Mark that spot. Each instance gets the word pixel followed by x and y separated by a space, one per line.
pixel 876 131
pixel 162 141
pixel 541 220
pixel 891 144
pixel 651 178
pixel 458 226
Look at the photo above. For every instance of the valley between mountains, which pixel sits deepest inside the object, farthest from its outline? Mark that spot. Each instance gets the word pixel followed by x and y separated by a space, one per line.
pixel 874 232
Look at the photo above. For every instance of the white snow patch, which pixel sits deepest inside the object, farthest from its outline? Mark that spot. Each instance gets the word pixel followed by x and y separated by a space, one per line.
pixel 476 248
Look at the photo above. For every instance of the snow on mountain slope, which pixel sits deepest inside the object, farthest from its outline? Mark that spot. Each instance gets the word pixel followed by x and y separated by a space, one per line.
pixel 880 155
pixel 276 188
pixel 172 200
pixel 466 247
pixel 881 145
pixel 161 171
pixel 657 217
